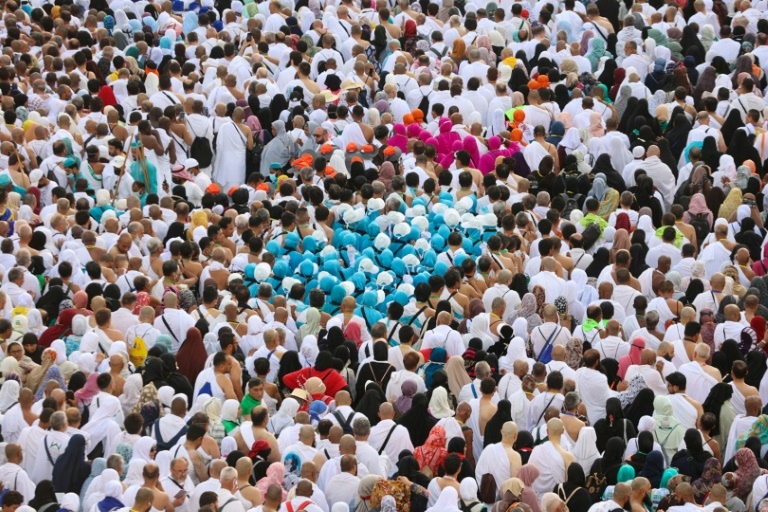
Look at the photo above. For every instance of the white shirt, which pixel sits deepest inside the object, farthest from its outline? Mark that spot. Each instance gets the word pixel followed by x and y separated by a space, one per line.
pixel 444 336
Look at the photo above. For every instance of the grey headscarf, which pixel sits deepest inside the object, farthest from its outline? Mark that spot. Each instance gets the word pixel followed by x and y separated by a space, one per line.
pixel 279 150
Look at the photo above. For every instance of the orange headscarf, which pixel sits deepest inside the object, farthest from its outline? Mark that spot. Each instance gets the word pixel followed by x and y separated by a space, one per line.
pixel 459 50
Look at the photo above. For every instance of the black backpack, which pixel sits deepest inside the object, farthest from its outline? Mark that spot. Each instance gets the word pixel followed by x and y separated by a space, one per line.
pixel 571 203
pixel 424 103
pixel 253 157
pixel 200 150
pixel 700 223
pixel 346 425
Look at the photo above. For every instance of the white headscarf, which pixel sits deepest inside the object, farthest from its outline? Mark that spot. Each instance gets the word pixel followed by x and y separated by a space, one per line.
pixel 284 416
pixel 9 395
pixel 585 450
pixel 229 410
pixel 134 474
pixel 447 502
pixel 131 393
pixel 438 404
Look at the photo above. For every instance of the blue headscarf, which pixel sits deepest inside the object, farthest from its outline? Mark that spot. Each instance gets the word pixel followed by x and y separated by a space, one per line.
pixel 109 23
pixel 190 22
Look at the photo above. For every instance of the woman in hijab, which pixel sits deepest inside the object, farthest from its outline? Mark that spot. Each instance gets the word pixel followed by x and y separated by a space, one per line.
pixel 154 372
pixel 70 471
pixel 417 420
pixel 275 476
pixel 370 401
pixel 61 329
pixel 636 348
pixel 668 432
pixel 746 473
pixel 403 403
pixel 192 356
pixel 409 467
pixel 710 475
pixel 433 452
pixel 279 150
pixel 365 490
pixel 600 260
pixel 379 370
pixel 573 491
pixel 608 465
pixel 724 358
pixel 493 427
pixel 613 425
pixel 284 417
pixel 690 461
pixel 653 468
pixel 176 380
pixel 45 497
pixel 528 474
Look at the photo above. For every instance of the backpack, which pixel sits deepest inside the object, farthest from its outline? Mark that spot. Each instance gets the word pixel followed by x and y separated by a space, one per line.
pixel 346 425
pixel 424 103
pixel 596 485
pixel 700 223
pixel 150 412
pixel 571 203
pixel 138 352
pixel 253 157
pixel 200 150
pixel 162 444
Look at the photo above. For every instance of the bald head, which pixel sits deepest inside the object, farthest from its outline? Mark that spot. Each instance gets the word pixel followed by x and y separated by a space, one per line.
pixel 386 411
pixel 343 398
pixel 347 445
pixel 555 427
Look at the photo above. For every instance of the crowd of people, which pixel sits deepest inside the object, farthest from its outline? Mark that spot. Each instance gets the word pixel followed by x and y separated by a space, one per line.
pixel 361 256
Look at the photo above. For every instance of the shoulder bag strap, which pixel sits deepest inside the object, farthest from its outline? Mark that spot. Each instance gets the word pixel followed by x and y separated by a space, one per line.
pixel 386 440
pixel 169 328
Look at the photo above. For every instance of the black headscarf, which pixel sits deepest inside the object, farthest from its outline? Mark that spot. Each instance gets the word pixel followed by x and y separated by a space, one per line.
pixel 638 265
pixel 378 370
pixel 176 380
pixel 741 148
pixel 574 489
pixel 718 395
pixel 612 176
pixel 611 460
pixel 756 366
pixel 76 381
pixel 613 425
pixel 175 230
pixel 695 287
pixel 732 123
pixel 408 467
pixel 371 401
pixel 417 420
pixel 723 359
pixel 606 77
pixel 493 427
pixel 70 470
pixel 654 468
pixel 44 495
pixel 600 260
pixel 524 445
pixel 289 363
pixel 641 406
pixel 154 372
pixel 677 134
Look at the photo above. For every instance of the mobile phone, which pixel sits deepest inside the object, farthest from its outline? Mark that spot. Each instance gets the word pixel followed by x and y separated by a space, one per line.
pixel 181 493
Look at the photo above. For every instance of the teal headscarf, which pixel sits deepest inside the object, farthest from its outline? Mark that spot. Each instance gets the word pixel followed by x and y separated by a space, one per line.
pixel 626 474
pixel 598 52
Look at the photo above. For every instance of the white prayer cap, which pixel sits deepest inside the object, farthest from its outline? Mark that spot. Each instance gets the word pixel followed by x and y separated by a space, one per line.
pixel 638 152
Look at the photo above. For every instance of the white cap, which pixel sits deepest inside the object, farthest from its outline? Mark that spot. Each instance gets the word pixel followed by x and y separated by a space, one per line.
pixel 452 218
pixel 262 272
pixel 384 279
pixel 190 163
pixel 34 177
pixel 401 229
pixel 348 286
pixel 381 241
pixel 366 265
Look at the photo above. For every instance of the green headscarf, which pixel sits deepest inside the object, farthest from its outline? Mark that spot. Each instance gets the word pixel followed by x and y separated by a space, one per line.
pixel 659 37
pixel 311 48
pixel 677 51
pixel 606 98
